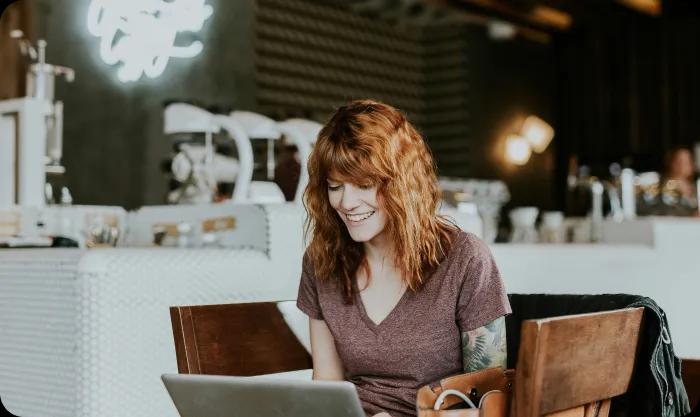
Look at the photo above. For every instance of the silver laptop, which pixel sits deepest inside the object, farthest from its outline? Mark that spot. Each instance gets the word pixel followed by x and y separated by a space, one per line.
pixel 230 396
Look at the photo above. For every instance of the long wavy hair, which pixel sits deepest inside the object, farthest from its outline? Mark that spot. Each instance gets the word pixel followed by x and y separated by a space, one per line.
pixel 368 143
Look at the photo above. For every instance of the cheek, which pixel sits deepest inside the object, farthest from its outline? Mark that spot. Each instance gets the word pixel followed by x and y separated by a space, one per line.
pixel 382 218
pixel 373 198
pixel 333 200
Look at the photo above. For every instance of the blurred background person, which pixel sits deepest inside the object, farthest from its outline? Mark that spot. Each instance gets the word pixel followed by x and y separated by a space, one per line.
pixel 679 190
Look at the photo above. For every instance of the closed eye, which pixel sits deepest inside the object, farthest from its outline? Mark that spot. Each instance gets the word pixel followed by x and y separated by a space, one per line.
pixel 334 187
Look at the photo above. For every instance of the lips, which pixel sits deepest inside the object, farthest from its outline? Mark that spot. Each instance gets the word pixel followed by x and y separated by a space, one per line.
pixel 358 217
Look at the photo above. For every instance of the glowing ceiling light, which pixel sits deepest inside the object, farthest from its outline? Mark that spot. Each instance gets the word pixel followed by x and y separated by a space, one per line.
pixel 517 150
pixel 141 33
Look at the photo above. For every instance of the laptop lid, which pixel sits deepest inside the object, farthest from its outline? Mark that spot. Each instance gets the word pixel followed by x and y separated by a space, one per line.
pixel 230 396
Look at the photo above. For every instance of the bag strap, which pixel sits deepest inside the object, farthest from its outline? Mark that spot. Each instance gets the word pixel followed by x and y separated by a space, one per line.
pixel 488 394
pixel 445 393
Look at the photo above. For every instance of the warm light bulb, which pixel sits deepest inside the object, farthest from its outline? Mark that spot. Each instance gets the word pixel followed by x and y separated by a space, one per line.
pixel 517 150
pixel 538 132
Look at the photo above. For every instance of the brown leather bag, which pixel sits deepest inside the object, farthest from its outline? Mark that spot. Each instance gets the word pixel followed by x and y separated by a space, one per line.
pixel 489 390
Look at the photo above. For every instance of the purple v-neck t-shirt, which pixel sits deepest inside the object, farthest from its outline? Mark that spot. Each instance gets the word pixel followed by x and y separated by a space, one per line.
pixel 419 342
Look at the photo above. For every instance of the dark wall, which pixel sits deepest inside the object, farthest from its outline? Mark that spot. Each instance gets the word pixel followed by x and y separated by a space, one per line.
pixel 447 93
pixel 113 131
pixel 12 71
pixel 509 81
pixel 628 87
pixel 463 90
pixel 611 75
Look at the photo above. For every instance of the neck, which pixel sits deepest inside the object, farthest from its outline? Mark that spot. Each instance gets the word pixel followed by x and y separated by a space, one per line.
pixel 379 249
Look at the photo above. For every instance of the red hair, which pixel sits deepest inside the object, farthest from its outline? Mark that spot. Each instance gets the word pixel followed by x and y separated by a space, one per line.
pixel 368 143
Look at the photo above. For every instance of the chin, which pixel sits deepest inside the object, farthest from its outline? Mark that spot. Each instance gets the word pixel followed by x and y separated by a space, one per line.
pixel 361 237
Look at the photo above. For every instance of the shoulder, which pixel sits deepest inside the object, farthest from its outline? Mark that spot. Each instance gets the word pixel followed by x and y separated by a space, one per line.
pixel 309 275
pixel 470 261
pixel 306 264
pixel 467 246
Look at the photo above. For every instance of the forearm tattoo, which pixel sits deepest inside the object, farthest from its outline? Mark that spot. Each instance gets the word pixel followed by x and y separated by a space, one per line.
pixel 485 347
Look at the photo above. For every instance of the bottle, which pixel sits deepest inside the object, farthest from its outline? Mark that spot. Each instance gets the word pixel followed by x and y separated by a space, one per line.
pixel 629 198
pixel 66 197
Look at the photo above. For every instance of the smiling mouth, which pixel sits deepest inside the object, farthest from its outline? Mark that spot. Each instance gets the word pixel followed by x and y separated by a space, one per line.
pixel 359 216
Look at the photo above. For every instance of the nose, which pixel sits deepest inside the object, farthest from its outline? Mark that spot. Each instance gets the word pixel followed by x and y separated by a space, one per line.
pixel 350 198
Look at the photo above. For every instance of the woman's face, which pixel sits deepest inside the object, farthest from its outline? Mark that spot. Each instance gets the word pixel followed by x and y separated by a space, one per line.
pixel 682 164
pixel 359 209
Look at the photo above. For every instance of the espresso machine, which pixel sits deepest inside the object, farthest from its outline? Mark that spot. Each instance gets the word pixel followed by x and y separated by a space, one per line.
pixel 31 148
pixel 31 132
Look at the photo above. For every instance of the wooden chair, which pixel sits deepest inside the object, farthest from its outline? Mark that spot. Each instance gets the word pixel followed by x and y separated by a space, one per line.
pixel 691 380
pixel 572 366
pixel 235 339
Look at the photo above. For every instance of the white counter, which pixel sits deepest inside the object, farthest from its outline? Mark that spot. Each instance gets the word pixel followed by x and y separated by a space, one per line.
pixel 662 233
pixel 671 279
pixel 88 333
pixel 658 257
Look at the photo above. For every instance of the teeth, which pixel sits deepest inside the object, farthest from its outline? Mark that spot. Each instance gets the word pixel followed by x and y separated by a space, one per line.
pixel 359 217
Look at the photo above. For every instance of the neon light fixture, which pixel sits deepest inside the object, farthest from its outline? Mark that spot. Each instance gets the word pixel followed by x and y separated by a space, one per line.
pixel 141 34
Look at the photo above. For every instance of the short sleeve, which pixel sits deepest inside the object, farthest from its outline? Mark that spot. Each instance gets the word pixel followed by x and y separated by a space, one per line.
pixel 307 299
pixel 482 296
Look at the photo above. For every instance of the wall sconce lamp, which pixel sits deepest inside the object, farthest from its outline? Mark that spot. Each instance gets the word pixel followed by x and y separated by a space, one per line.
pixel 535 135
pixel 517 149
pixel 538 133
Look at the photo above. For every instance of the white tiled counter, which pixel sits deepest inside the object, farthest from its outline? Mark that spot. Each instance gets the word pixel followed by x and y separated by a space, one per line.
pixel 658 257
pixel 87 332
pixel 672 279
pixel 663 233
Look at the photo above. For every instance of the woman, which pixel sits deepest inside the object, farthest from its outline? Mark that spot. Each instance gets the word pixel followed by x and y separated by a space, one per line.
pixel 397 297
pixel 678 180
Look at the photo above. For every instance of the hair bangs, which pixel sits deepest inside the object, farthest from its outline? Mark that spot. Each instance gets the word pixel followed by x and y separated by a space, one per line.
pixel 345 163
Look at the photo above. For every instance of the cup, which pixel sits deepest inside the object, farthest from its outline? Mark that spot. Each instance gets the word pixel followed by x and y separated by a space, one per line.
pixel 523 221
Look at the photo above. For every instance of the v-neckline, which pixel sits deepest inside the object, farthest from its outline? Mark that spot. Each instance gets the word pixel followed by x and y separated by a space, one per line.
pixel 375 327
pixel 363 311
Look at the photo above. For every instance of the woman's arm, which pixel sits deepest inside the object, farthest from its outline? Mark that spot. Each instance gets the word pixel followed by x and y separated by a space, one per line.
pixel 485 347
pixel 327 363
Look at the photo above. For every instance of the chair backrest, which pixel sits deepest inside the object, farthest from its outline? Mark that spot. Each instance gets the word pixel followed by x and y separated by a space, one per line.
pixel 235 339
pixel 691 380
pixel 573 365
